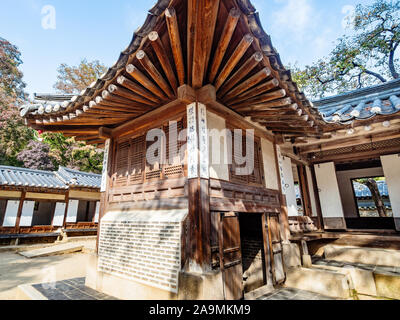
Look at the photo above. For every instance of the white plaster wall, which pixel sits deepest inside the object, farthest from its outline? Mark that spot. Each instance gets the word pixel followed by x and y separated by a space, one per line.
pixel 331 204
pixel 391 168
pixel 312 193
pixel 27 214
pixel 10 217
pixel 346 189
pixel 269 161
pixel 288 188
pixel 217 147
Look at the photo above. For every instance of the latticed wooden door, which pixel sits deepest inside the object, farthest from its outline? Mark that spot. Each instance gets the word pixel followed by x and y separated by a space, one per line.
pixel 231 256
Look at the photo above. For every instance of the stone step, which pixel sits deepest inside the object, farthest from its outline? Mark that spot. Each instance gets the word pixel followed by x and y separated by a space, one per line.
pixel 52 251
pixel 370 256
pixel 324 282
pixel 369 280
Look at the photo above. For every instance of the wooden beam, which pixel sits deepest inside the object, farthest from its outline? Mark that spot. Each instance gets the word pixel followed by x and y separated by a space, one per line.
pixel 280 103
pixel 174 37
pixel 144 81
pixel 107 96
pixel 244 70
pixel 145 121
pixel 162 56
pixel 273 113
pixel 105 133
pixel 234 60
pixel 226 36
pixel 266 97
pixel 206 18
pixel 248 84
pixel 258 90
pixel 127 94
pixel 351 141
pixel 132 86
pixel 154 73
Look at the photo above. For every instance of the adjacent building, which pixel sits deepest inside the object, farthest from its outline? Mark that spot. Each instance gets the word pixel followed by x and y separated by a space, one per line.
pixel 35 203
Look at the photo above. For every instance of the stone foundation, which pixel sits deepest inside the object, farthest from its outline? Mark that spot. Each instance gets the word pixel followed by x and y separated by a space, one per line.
pixel 191 286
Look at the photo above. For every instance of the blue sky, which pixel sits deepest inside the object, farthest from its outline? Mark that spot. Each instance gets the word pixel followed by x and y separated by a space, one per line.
pixel 301 30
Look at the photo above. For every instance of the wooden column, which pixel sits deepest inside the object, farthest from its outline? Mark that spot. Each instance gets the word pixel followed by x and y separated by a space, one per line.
pixel 305 194
pixel 66 209
pixel 284 216
pixel 317 199
pixel 19 213
pixel 107 182
pixel 199 241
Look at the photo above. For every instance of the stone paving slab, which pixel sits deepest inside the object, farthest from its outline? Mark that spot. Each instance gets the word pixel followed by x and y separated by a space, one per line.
pixel 73 289
pixel 368 267
pixel 293 294
pixel 53 250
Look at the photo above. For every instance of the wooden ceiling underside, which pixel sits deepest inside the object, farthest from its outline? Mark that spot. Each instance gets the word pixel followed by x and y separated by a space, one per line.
pixel 193 42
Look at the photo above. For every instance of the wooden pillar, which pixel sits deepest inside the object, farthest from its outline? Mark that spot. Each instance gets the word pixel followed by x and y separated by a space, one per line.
pixel 105 183
pixel 19 213
pixel 305 194
pixel 284 216
pixel 317 199
pixel 66 209
pixel 199 241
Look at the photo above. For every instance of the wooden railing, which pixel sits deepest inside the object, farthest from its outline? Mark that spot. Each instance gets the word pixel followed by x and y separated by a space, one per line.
pixel 226 196
pixel 301 225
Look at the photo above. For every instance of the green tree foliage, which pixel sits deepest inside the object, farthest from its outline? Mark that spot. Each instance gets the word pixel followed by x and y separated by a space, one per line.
pixel 366 57
pixel 37 156
pixel 14 135
pixel 22 146
pixel 74 79
pixel 11 84
pixel 73 154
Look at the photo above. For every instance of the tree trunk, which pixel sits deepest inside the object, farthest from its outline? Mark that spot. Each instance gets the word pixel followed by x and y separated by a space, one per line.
pixel 380 206
pixel 392 67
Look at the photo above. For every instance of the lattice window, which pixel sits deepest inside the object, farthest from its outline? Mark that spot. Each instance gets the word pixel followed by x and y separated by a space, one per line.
pixel 136 160
pixel 122 164
pixel 256 177
pixel 174 168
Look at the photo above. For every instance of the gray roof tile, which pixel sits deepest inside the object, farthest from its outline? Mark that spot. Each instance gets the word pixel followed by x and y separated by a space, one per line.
pixel 362 104
pixel 62 179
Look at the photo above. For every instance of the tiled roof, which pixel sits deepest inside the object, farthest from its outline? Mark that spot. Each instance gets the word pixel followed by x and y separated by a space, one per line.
pixel 62 179
pixel 362 104
pixel 46 104
pixel 70 108
pixel 78 178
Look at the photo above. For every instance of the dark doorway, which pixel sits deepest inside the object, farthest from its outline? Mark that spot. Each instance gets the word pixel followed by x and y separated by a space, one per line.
pixel 253 255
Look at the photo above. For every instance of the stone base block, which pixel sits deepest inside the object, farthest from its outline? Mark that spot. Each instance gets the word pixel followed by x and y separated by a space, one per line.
pixel 324 282
pixel 191 286
pixel 291 255
pixel 387 286
pixel 307 262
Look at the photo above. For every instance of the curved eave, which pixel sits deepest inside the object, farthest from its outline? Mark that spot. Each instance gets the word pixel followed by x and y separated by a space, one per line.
pixel 99 106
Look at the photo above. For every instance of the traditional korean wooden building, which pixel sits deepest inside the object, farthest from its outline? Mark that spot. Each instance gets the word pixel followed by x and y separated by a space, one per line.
pixel 192 227
pixel 36 205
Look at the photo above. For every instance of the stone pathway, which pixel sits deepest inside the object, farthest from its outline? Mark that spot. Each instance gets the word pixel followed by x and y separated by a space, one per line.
pixel 293 294
pixel 73 289
pixel 373 268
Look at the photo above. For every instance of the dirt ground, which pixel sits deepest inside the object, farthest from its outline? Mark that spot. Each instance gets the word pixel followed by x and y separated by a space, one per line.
pixel 16 270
